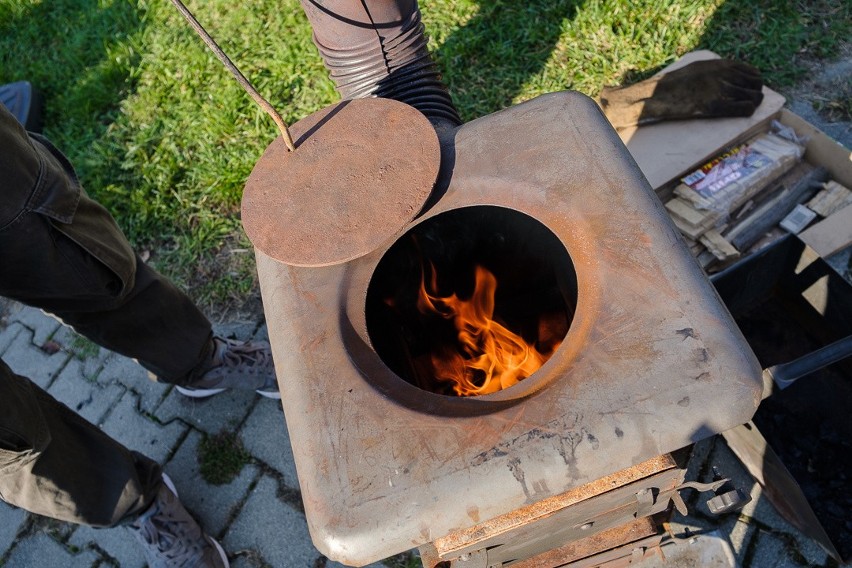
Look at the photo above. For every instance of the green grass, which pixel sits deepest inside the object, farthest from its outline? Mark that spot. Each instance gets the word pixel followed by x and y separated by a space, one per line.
pixel 163 136
pixel 83 348
pixel 221 458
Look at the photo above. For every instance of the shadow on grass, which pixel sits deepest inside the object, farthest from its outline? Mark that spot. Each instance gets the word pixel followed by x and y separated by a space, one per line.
pixel 487 62
pixel 506 42
pixel 779 37
pixel 80 54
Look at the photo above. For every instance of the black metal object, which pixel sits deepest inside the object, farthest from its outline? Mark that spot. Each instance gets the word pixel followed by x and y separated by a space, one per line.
pixel 790 304
pixel 229 65
pixel 785 374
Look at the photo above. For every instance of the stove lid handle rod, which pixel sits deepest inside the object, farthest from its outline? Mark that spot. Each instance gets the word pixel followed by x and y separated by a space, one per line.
pixel 249 88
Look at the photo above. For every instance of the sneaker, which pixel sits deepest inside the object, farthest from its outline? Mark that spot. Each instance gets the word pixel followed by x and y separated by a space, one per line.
pixel 236 365
pixel 172 538
pixel 24 102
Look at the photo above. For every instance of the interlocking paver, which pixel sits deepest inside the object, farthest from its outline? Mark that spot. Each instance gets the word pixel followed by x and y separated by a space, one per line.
pixel 277 532
pixel 265 436
pixel 118 542
pixel 127 372
pixel 11 519
pixel 8 335
pixel 212 505
pixel 89 399
pixel 44 552
pixel 225 411
pixel 42 325
pixel 91 356
pixel 779 550
pixel 28 360
pixel 139 433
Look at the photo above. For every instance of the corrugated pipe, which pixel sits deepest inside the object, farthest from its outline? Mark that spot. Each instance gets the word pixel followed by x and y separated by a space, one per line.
pixel 378 48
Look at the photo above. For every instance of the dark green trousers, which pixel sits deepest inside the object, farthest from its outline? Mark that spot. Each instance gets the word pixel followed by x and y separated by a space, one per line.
pixel 62 252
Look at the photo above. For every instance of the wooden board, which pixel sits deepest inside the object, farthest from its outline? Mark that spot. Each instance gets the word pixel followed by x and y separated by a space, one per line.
pixel 831 234
pixel 779 486
pixel 668 150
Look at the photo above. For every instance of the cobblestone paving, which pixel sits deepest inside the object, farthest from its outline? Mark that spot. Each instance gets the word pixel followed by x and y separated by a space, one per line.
pixel 258 516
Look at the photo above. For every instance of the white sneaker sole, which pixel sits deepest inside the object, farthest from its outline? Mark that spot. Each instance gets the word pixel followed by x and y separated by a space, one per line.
pixel 204 393
pixel 170 484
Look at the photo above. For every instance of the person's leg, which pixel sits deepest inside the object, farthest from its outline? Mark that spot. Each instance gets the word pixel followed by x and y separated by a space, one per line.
pixel 63 252
pixel 56 464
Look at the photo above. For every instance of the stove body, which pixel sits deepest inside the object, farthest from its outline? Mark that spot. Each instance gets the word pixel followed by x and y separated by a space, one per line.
pixel 651 363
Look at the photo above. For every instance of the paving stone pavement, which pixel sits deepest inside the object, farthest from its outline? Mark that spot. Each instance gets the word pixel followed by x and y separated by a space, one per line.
pixel 258 516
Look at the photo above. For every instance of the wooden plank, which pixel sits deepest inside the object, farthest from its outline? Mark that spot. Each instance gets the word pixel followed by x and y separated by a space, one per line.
pixel 716 244
pixel 683 209
pixel 688 229
pixel 778 484
pixel 830 235
pixel 832 198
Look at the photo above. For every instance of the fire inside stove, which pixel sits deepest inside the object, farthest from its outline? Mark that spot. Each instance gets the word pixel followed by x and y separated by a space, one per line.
pixel 471 301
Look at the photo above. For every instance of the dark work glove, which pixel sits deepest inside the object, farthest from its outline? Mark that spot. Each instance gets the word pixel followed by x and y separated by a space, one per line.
pixel 703 89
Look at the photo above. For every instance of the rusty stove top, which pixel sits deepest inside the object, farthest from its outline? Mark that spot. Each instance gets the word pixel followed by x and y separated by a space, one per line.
pixel 652 360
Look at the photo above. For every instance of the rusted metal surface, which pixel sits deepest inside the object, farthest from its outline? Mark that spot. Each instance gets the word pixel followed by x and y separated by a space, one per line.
pixel 603 541
pixel 651 363
pixel 362 170
pixel 531 513
pixel 573 523
pixel 630 554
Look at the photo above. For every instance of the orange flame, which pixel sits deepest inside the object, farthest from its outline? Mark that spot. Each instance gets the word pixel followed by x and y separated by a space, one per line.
pixel 491 357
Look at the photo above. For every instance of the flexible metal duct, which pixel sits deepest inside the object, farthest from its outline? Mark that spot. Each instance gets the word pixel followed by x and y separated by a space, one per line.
pixel 378 48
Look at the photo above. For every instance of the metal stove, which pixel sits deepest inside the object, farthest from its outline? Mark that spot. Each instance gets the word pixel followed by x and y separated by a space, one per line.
pixel 577 459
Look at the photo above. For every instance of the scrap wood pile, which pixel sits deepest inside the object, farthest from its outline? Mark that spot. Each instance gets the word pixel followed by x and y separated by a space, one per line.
pixel 749 194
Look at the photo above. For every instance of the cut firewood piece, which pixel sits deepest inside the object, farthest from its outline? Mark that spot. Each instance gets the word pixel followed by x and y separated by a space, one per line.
pixel 688 229
pixel 794 187
pixel 718 246
pixel 695 247
pixel 732 178
pixel 833 197
pixel 830 235
pixel 684 210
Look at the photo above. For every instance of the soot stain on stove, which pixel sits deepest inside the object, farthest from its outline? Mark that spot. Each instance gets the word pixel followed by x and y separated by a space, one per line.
pixel 515 467
pixel 566 443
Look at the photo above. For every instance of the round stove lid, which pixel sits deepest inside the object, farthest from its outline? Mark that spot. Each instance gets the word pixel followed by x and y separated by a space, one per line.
pixel 361 171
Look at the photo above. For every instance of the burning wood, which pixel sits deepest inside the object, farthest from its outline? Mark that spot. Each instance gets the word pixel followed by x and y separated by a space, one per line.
pixel 472 302
pixel 488 356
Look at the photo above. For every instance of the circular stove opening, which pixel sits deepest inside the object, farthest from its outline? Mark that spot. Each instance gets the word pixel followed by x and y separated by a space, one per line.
pixel 471 301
